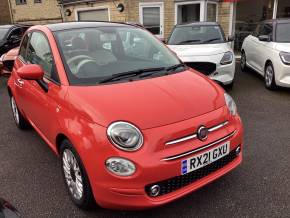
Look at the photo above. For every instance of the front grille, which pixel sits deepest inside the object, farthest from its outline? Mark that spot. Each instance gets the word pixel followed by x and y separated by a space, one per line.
pixel 206 68
pixel 173 184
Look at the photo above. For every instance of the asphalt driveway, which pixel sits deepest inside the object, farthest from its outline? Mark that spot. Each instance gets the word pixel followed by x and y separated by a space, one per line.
pixel 30 175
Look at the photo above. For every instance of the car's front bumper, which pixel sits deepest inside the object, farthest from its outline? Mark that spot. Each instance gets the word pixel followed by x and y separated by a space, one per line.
pixel 116 192
pixel 282 74
pixel 224 73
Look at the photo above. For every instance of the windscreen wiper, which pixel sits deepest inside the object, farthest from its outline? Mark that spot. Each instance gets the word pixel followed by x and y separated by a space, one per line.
pixel 189 41
pixel 210 40
pixel 129 74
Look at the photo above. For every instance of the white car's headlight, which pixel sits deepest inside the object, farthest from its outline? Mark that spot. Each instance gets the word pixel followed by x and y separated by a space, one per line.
pixel 227 58
pixel 125 136
pixel 285 57
pixel 231 104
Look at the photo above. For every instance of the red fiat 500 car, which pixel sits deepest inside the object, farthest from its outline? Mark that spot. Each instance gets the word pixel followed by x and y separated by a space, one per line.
pixel 134 127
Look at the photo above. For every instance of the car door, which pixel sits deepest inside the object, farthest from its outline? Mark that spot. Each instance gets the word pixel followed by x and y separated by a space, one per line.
pixel 249 46
pixel 263 47
pixel 39 99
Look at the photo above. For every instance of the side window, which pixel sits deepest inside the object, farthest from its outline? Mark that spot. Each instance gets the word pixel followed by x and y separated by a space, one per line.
pixel 38 52
pixel 23 47
pixel 266 29
pixel 15 34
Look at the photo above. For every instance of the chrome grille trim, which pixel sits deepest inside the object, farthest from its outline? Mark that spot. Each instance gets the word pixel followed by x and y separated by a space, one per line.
pixel 193 136
pixel 200 149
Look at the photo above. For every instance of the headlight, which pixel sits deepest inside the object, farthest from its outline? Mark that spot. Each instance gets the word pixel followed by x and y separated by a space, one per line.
pixel 125 136
pixel 227 58
pixel 231 104
pixel 285 57
pixel 120 166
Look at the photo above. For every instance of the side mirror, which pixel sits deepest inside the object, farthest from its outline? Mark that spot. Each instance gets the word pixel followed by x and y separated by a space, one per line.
pixel 264 38
pixel 231 38
pixel 30 72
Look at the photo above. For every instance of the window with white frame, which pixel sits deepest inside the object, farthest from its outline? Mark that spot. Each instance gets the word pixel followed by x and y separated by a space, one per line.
pixel 187 12
pixel 211 12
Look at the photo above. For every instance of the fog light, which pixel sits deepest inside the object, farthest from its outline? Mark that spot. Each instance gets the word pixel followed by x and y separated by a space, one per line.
pixel 238 150
pixel 120 166
pixel 154 190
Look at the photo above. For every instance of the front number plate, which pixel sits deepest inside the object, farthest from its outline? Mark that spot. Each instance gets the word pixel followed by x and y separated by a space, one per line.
pixel 205 158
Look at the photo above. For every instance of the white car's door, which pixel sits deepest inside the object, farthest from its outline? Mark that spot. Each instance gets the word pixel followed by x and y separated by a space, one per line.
pixel 263 47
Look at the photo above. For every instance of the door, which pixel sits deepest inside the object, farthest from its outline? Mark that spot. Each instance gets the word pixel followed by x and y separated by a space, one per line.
pixel 39 99
pixel 260 47
pixel 152 17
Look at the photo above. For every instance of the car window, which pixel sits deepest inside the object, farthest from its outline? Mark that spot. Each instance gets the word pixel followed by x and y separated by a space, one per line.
pixel 266 29
pixel 283 33
pixel 92 54
pixel 3 33
pixel 39 52
pixel 16 33
pixel 23 48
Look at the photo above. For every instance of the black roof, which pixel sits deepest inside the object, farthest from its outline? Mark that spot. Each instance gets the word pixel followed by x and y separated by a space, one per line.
pixel 77 25
pixel 198 24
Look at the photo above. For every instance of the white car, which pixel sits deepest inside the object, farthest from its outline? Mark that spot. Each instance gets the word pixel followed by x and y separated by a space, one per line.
pixel 204 47
pixel 267 51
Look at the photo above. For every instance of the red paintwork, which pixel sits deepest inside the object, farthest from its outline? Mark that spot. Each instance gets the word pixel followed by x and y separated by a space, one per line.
pixel 164 108
pixel 30 72
pixel 9 56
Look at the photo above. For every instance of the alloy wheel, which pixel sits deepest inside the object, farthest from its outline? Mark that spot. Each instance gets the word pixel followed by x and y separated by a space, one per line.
pixel 15 110
pixel 269 75
pixel 243 61
pixel 73 175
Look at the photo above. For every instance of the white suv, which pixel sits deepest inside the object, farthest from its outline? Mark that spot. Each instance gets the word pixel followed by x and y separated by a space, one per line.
pixel 204 47
pixel 267 51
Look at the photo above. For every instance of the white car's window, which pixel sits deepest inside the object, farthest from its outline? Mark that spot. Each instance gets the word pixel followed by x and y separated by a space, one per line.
pixel 283 33
pixel 196 34
pixel 94 54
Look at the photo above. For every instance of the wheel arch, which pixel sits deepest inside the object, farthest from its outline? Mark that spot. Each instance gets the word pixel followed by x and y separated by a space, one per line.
pixel 268 61
pixel 58 141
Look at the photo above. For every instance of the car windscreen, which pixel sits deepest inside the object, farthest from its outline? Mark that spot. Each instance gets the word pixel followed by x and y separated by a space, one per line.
pixel 3 33
pixel 188 35
pixel 283 33
pixel 91 55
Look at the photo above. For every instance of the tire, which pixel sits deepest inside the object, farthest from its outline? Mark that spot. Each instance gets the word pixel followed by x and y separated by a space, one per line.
pixel 19 119
pixel 230 86
pixel 75 177
pixel 269 77
pixel 244 66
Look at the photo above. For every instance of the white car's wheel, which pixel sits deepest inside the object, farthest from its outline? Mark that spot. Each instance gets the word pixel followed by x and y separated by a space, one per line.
pixel 244 62
pixel 270 77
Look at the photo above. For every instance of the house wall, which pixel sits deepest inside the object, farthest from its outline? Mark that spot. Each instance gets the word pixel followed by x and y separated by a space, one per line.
pixel 131 12
pixel 114 14
pixel 4 12
pixel 36 13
